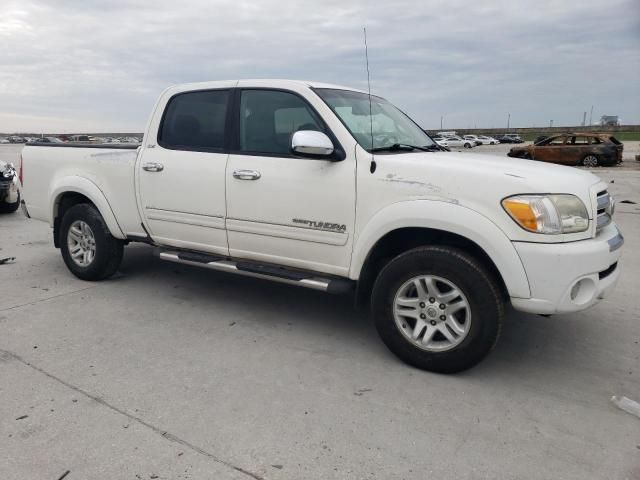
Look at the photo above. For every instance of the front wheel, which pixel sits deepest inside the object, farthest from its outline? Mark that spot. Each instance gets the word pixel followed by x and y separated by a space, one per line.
pixel 88 248
pixel 437 309
pixel 590 161
pixel 467 145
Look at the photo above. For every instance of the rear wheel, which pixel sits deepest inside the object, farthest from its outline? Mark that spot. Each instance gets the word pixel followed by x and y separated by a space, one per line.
pixel 88 248
pixel 590 161
pixel 437 309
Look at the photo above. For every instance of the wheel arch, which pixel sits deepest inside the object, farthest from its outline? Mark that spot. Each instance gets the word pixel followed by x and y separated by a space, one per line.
pixel 406 225
pixel 75 190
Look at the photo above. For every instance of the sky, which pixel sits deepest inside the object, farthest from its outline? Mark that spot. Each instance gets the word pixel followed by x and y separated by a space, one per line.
pixel 98 66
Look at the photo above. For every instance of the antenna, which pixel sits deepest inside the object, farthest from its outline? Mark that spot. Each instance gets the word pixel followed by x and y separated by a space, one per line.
pixel 372 168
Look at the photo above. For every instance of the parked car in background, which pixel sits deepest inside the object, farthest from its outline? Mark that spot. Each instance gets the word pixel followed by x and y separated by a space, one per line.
pixel 9 193
pixel 80 138
pixel 49 140
pixel 447 134
pixel 455 141
pixel 510 138
pixel 442 141
pixel 4 140
pixel 473 138
pixel 488 140
pixel 588 149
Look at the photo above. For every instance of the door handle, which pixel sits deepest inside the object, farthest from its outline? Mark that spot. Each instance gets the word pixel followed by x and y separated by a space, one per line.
pixel 153 167
pixel 246 174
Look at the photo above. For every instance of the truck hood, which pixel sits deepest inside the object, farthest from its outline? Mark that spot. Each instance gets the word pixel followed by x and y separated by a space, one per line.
pixel 480 181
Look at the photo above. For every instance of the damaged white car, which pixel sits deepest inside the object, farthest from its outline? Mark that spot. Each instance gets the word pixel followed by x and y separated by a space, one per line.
pixel 9 192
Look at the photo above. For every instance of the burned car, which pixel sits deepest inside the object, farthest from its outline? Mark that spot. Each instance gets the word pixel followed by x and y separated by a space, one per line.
pixel 587 149
pixel 9 193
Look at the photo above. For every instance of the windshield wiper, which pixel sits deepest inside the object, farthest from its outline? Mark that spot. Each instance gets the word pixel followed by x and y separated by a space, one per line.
pixel 436 147
pixel 397 147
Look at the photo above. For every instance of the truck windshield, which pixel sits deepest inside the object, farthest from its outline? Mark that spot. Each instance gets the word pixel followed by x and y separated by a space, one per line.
pixel 390 126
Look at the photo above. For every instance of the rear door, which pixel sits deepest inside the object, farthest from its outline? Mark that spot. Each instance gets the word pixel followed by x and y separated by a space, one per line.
pixel 579 147
pixel 282 208
pixel 181 173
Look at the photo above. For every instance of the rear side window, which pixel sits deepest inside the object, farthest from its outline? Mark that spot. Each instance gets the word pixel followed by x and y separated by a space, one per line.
pixel 268 119
pixel 557 141
pixel 580 140
pixel 195 120
pixel 615 140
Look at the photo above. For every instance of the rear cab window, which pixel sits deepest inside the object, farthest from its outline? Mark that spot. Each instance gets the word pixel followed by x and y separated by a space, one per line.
pixel 195 121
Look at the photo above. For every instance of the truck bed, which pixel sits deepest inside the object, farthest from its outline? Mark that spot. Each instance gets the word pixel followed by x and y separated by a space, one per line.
pixel 102 170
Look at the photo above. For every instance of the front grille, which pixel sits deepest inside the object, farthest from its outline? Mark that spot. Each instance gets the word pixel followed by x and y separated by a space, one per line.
pixel 604 206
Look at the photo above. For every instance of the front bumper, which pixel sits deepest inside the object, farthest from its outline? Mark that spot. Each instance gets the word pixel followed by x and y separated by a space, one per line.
pixel 569 277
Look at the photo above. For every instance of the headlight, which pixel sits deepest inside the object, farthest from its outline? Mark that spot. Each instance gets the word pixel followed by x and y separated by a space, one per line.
pixel 9 171
pixel 550 214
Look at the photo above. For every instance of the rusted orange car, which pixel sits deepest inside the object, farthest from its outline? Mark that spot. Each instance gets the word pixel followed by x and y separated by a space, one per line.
pixel 588 149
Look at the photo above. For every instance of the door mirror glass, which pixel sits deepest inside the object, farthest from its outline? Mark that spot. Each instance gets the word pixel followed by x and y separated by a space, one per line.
pixel 311 143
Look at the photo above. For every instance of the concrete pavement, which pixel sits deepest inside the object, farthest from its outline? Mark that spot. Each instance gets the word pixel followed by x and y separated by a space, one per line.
pixel 167 371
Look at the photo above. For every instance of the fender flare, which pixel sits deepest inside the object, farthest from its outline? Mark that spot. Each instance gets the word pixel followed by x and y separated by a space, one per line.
pixel 86 187
pixel 450 217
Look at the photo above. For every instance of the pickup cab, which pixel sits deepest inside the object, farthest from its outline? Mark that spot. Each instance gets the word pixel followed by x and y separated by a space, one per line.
pixel 330 188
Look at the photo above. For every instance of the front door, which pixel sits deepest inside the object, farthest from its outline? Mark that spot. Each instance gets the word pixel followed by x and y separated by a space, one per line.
pixel 281 208
pixel 182 177
pixel 552 150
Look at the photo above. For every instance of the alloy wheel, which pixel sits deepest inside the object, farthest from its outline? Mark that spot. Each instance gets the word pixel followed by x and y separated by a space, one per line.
pixel 432 313
pixel 81 243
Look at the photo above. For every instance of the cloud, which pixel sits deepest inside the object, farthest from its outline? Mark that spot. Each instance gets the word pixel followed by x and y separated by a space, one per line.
pixel 86 65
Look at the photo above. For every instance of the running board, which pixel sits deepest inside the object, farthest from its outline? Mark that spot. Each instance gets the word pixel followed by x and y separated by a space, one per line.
pixel 260 270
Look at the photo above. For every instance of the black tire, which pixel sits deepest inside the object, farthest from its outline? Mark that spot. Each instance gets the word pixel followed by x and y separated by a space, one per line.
pixel 109 250
pixel 479 287
pixel 467 145
pixel 9 207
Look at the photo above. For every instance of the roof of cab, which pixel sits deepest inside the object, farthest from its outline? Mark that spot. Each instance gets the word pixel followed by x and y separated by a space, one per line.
pixel 259 82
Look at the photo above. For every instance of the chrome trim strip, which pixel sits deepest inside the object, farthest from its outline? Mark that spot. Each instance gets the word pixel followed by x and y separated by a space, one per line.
pixel 616 242
pixel 180 211
pixel 289 232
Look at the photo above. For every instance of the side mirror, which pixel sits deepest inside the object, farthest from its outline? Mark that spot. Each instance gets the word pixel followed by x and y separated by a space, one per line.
pixel 312 143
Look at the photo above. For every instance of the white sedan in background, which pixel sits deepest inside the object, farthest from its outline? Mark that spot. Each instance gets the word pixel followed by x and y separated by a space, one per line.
pixel 488 140
pixel 443 142
pixel 456 141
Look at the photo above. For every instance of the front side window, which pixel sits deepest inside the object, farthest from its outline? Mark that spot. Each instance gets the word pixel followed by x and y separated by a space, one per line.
pixel 390 126
pixel 195 120
pixel 269 118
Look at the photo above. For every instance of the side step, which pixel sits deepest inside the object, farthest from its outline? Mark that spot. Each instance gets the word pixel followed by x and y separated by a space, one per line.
pixel 260 270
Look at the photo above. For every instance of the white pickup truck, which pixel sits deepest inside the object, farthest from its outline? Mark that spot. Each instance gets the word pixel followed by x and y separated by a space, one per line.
pixel 328 188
